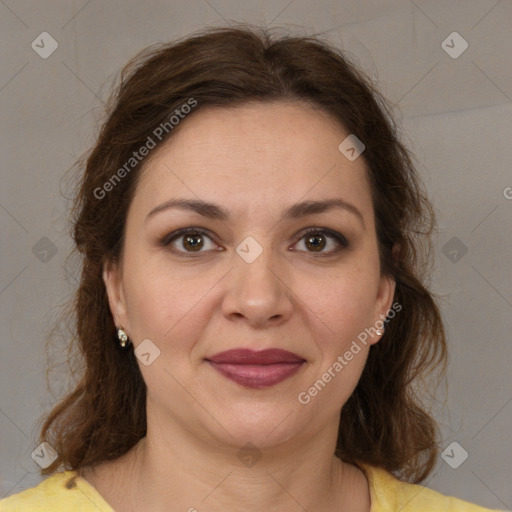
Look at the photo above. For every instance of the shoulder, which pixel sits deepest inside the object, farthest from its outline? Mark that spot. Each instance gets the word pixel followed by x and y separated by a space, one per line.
pixel 390 494
pixel 62 491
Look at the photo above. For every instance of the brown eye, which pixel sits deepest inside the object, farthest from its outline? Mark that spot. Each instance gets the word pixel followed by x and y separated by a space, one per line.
pixel 193 240
pixel 317 239
pixel 315 242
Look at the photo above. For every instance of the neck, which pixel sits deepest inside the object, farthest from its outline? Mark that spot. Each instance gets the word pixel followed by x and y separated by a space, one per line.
pixel 195 475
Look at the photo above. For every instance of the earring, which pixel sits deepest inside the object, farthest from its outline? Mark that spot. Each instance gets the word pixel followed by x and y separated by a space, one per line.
pixel 123 338
pixel 379 332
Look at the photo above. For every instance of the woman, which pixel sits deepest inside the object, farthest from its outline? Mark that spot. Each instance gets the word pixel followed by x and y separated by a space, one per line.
pixel 251 308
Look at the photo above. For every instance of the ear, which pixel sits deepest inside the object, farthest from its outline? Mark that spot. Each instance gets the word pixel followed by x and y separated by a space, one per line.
pixel 383 303
pixel 112 277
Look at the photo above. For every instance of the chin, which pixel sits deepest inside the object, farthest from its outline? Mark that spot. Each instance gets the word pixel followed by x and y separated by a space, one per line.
pixel 263 425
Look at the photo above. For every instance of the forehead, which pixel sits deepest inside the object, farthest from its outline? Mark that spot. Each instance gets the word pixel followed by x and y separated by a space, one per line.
pixel 254 156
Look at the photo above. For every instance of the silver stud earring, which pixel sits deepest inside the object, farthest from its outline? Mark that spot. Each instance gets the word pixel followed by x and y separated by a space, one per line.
pixel 123 337
pixel 379 332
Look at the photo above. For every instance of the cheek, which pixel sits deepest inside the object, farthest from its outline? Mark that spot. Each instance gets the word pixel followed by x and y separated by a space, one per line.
pixel 340 304
pixel 338 317
pixel 161 304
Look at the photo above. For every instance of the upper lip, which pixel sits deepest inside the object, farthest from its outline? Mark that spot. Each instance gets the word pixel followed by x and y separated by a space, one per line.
pixel 261 357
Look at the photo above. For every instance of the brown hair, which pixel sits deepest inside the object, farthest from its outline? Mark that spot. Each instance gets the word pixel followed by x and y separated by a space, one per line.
pixel 385 423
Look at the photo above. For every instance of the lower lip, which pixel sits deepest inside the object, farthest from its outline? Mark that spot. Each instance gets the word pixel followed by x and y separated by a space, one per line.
pixel 257 376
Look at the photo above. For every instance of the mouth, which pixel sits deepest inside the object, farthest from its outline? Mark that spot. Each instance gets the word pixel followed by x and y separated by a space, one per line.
pixel 256 370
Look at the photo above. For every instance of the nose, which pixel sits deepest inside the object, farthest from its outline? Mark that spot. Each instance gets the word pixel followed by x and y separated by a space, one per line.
pixel 257 293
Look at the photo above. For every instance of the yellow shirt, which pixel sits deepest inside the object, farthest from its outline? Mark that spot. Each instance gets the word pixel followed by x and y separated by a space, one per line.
pixel 66 491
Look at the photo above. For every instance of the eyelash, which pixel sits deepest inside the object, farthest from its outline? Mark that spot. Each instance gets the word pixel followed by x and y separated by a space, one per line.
pixel 340 239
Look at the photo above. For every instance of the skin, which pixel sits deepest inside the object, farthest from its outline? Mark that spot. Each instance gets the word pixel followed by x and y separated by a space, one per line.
pixel 255 161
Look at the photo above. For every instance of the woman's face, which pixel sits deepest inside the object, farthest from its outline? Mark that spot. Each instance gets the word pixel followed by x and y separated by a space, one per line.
pixel 244 274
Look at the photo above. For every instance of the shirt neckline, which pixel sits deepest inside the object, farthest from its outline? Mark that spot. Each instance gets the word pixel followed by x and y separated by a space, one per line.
pixel 72 479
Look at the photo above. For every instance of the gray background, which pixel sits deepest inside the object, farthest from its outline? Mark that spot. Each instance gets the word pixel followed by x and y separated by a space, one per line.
pixel 456 115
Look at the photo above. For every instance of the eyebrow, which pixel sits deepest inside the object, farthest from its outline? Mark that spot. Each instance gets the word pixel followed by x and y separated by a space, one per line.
pixel 295 211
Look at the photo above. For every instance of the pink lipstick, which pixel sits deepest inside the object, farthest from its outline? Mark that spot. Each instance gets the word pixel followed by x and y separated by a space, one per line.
pixel 256 369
